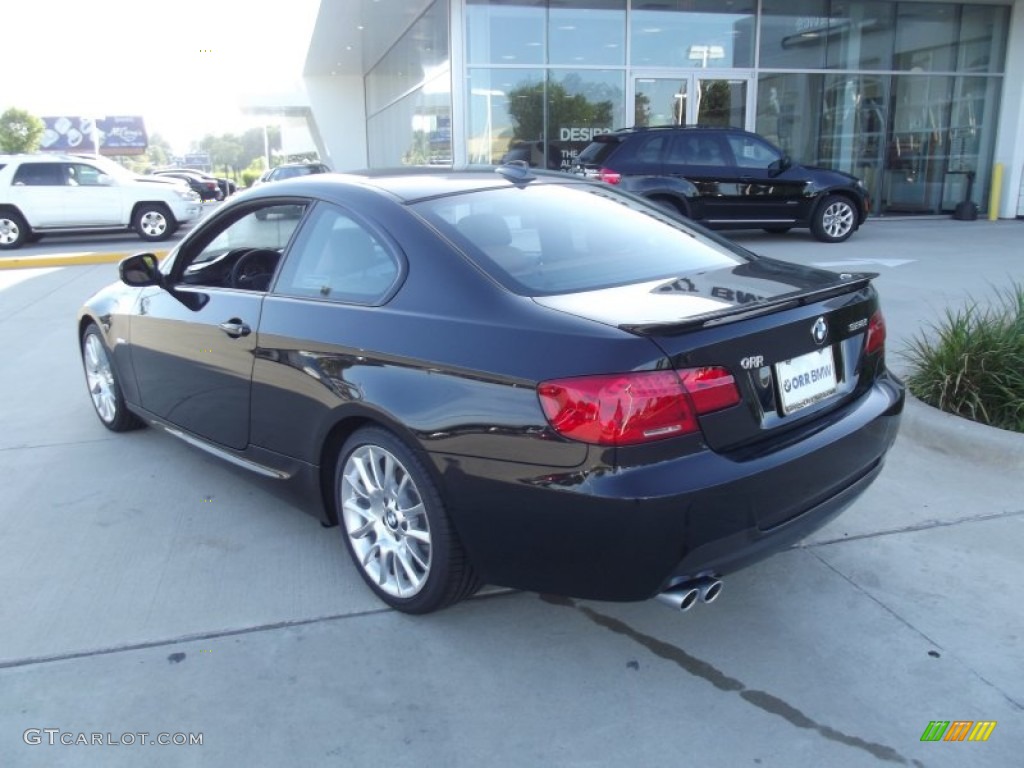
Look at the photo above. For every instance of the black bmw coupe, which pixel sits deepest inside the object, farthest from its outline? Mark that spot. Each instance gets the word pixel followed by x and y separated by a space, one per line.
pixel 513 377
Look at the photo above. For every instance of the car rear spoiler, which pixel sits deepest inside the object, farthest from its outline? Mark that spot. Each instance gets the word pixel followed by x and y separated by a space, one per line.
pixel 850 284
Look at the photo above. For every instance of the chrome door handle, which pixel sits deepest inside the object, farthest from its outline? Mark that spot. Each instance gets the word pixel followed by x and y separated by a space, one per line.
pixel 235 328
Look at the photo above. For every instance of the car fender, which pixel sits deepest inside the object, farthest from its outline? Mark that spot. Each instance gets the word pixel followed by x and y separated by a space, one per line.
pixel 682 192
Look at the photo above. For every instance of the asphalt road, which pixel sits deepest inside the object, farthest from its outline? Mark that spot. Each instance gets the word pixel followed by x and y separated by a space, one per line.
pixel 149 588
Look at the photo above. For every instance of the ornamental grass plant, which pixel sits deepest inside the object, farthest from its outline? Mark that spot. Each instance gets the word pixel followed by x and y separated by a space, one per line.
pixel 971 363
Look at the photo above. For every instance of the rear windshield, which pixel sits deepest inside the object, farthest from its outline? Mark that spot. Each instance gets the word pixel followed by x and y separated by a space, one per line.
pixel 547 239
pixel 596 152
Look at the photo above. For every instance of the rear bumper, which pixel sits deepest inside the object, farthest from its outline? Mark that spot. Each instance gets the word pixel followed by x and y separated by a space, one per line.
pixel 626 534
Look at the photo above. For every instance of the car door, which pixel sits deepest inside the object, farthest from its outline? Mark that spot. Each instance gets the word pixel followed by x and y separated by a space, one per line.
pixel 93 196
pixel 704 158
pixel 40 190
pixel 766 190
pixel 193 345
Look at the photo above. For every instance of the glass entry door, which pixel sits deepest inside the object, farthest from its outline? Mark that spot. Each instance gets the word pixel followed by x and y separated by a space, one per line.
pixel 693 99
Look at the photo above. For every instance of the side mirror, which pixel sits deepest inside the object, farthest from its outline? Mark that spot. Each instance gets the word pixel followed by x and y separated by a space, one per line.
pixel 140 270
pixel 780 165
pixel 104 181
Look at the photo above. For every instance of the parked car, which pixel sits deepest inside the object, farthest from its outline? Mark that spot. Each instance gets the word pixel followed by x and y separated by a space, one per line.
pixel 207 187
pixel 727 178
pixel 43 194
pixel 525 379
pixel 290 171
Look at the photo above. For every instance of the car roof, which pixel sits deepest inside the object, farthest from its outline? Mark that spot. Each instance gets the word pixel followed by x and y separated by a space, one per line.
pixel 411 184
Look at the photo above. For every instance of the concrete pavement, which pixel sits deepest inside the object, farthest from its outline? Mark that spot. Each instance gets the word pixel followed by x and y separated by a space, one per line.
pixel 148 588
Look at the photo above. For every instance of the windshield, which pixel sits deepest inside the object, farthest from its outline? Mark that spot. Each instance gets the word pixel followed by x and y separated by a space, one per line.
pixel 546 239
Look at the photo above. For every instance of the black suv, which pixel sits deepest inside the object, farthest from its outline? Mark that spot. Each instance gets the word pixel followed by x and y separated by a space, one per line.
pixel 727 178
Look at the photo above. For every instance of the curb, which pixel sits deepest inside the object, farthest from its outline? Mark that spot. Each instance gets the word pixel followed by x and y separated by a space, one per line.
pixel 957 436
pixel 68 259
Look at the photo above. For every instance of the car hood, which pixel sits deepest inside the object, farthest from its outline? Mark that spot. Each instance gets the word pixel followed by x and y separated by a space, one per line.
pixel 678 302
pixel 831 175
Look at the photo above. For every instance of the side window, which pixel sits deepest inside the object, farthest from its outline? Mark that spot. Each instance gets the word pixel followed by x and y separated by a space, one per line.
pixel 81 175
pixel 39 175
pixel 338 258
pixel 245 253
pixel 649 149
pixel 695 148
pixel 751 152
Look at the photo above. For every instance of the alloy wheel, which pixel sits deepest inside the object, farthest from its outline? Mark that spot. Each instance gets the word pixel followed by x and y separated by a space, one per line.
pixel 837 219
pixel 386 522
pixel 100 379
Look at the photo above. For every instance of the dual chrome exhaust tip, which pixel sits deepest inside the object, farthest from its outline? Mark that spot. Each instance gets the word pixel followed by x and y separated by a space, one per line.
pixel 684 596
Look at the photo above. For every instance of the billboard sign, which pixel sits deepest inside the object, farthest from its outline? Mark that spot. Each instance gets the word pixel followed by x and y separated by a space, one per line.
pixel 118 135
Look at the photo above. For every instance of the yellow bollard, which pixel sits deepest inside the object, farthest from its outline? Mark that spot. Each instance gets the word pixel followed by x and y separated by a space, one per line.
pixel 997 188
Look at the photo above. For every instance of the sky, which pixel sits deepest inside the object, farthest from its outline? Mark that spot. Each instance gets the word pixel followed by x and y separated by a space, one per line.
pixel 185 65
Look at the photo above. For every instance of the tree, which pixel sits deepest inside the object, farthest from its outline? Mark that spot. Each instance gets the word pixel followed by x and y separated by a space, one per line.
pixel 526 106
pixel 158 153
pixel 20 131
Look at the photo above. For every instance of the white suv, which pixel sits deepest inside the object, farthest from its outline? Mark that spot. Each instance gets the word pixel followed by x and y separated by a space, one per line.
pixel 42 194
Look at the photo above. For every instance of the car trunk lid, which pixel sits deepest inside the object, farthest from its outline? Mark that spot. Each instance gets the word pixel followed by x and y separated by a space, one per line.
pixel 793 338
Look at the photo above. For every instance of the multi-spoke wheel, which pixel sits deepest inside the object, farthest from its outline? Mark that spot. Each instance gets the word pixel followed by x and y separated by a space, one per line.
pixel 14 232
pixel 835 220
pixel 102 382
pixel 154 222
pixel 395 525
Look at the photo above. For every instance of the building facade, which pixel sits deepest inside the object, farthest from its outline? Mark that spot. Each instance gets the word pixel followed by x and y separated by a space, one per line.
pixel 919 99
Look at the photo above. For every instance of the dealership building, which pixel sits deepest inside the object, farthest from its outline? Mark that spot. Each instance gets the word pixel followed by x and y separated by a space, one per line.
pixel 922 100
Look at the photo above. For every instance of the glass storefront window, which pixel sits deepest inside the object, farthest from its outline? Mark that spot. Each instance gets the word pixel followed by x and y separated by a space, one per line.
pixel 587 32
pixel 788 113
pixel 794 33
pixel 860 35
pixel 505 31
pixel 581 104
pixel 703 34
pixel 983 31
pixel 917 158
pixel 926 37
pixel 418 56
pixel 415 130
pixel 506 116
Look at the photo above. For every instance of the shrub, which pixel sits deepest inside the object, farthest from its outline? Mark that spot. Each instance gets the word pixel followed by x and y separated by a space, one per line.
pixel 974 364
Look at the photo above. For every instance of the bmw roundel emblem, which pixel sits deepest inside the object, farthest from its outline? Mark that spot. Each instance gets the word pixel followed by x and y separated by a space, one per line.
pixel 819 331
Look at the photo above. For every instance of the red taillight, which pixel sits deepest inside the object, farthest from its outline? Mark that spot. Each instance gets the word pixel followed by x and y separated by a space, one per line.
pixel 875 341
pixel 609 176
pixel 631 408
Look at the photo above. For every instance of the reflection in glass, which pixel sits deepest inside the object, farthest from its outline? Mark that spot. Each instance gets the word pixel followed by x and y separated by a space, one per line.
pixel 587 32
pixel 580 105
pixel 926 35
pixel 660 101
pixel 794 33
pixel 860 34
pixel 505 32
pixel 418 56
pixel 700 34
pixel 722 102
pixel 415 130
pixel 983 30
pixel 788 113
pixel 918 151
pixel 505 107
pixel 853 125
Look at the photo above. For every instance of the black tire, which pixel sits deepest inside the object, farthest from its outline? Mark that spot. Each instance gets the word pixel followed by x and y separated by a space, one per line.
pixel 776 230
pixel 153 222
pixel 102 384
pixel 413 562
pixel 14 230
pixel 835 219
